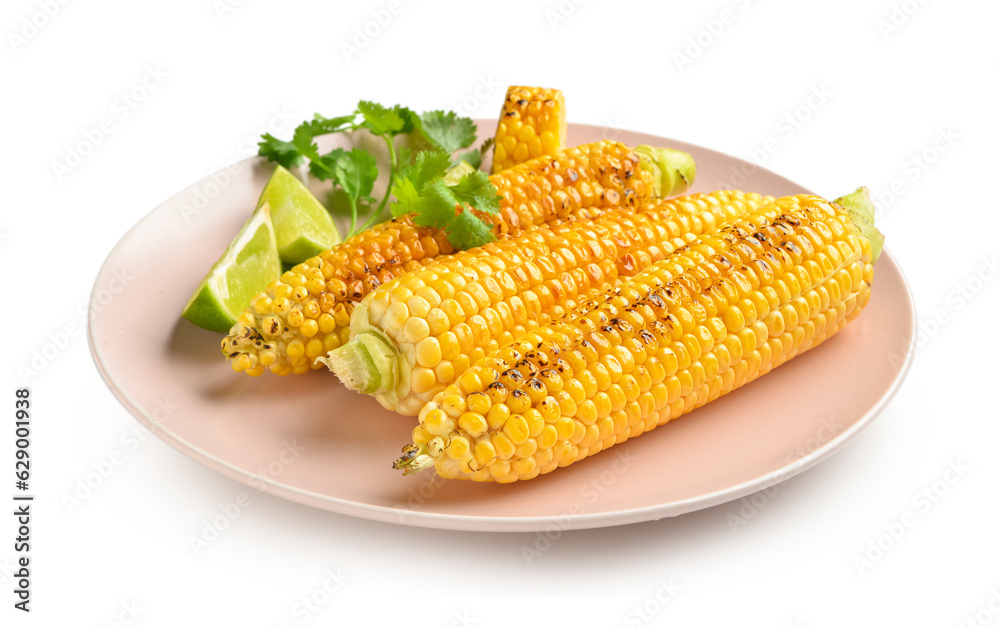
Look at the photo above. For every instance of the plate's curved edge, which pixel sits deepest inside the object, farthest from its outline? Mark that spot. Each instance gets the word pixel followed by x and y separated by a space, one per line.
pixel 498 524
pixel 523 524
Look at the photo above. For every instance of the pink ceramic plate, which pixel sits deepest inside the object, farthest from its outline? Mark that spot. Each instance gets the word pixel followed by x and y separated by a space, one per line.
pixel 307 439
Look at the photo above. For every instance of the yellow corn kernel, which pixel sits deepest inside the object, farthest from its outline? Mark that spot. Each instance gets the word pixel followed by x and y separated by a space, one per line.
pixel 516 429
pixel 670 339
pixel 473 423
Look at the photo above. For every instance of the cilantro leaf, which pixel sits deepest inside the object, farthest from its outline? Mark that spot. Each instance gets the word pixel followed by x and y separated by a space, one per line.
pixel 407 197
pixel 322 166
pixel 467 230
pixel 449 207
pixel 427 166
pixel 295 152
pixel 279 151
pixel 436 206
pixel 447 131
pixel 474 157
pixel 356 171
pixel 476 190
pixel 385 121
pixel 413 177
pixel 320 125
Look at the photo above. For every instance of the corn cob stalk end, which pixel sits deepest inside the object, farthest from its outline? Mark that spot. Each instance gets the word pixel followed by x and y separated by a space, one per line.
pixel 673 170
pixel 860 207
pixel 365 364
pixel 415 458
pixel 369 362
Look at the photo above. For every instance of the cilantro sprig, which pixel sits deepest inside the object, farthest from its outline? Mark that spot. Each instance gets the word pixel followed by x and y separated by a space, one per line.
pixel 422 190
pixel 416 180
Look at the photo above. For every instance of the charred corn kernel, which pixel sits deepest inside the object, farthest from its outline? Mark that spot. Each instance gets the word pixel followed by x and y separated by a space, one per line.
pixel 668 294
pixel 533 193
pixel 627 241
pixel 532 123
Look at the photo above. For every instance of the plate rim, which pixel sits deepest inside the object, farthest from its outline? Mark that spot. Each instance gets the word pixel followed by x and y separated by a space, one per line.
pixel 514 524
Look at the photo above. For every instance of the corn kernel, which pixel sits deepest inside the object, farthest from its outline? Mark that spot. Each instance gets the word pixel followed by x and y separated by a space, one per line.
pixel 428 352
pixel 436 422
pixel 516 428
pixel 458 448
pixel 473 423
pixel 504 447
pixel 422 380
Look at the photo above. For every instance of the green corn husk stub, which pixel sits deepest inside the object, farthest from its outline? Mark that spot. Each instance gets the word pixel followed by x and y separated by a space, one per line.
pixel 860 207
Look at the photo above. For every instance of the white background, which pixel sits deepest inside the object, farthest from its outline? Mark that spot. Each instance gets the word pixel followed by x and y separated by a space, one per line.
pixel 220 72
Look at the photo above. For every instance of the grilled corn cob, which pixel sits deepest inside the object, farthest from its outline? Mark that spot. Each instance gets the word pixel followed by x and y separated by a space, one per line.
pixel 305 313
pixel 532 123
pixel 413 336
pixel 710 317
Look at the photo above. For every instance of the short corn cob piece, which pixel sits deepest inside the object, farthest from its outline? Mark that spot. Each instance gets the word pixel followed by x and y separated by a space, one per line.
pixel 709 318
pixel 532 123
pixel 413 336
pixel 305 313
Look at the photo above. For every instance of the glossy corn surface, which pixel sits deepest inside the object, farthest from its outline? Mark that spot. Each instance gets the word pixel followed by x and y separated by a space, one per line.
pixel 707 319
pixel 305 313
pixel 532 123
pixel 441 318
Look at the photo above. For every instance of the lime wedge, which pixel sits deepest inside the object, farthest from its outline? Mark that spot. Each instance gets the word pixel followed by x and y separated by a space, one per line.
pixel 243 271
pixel 302 225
